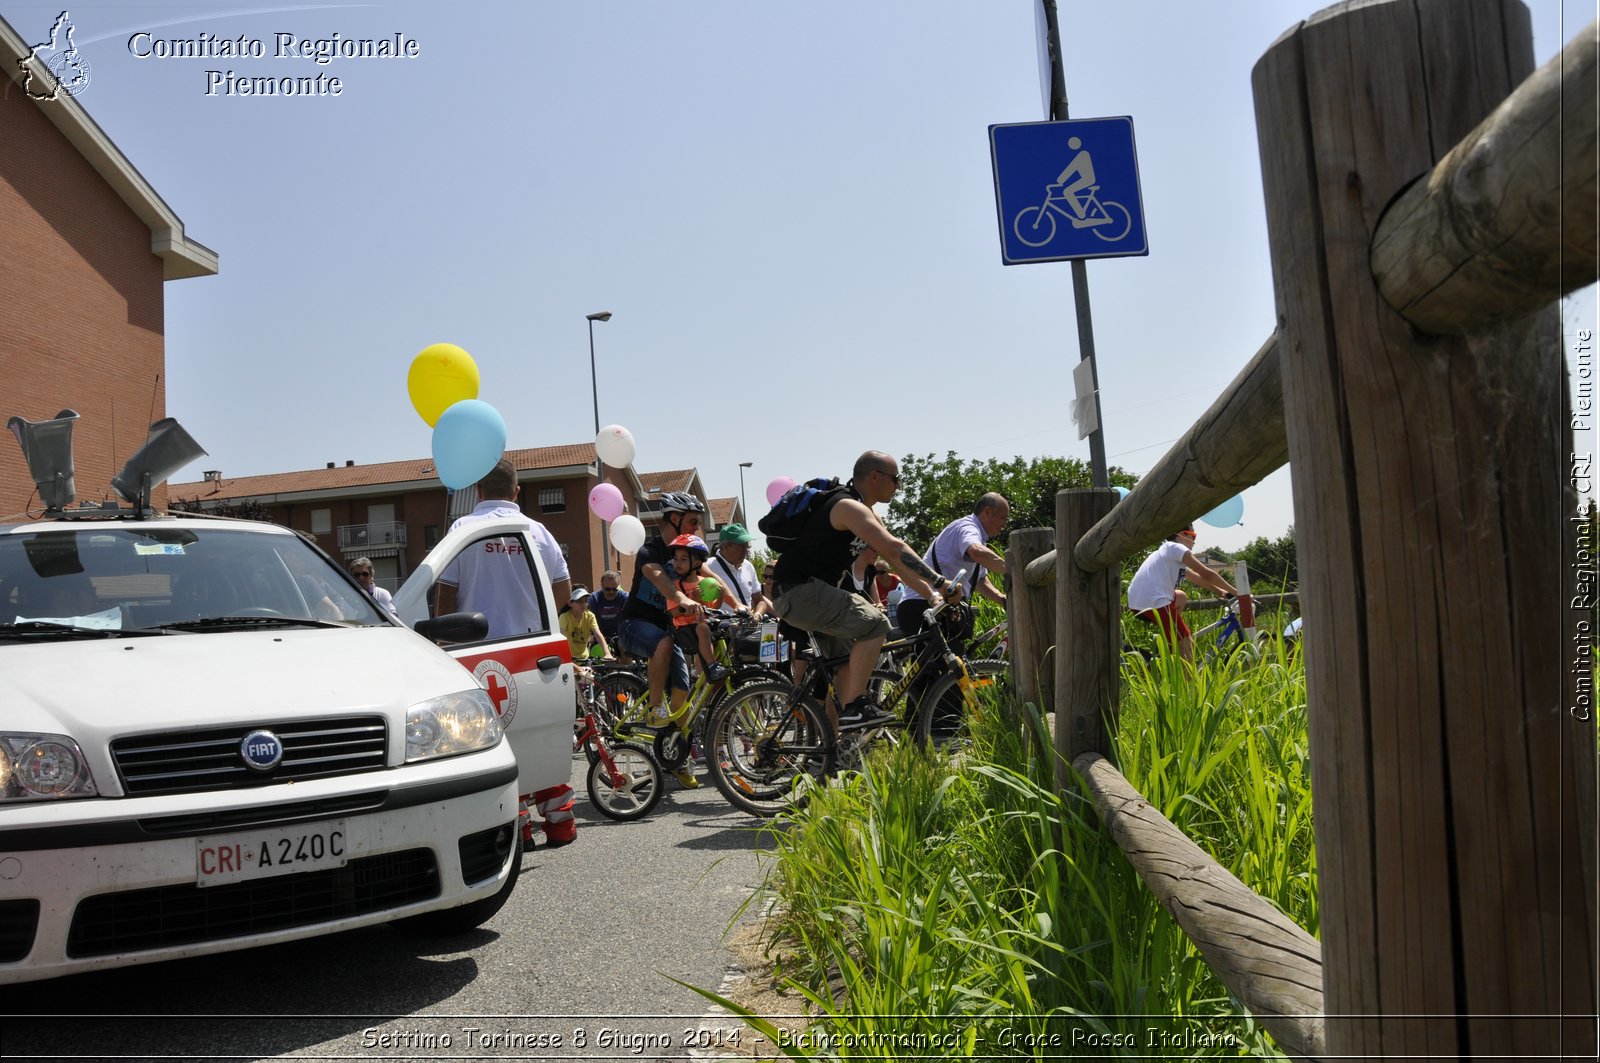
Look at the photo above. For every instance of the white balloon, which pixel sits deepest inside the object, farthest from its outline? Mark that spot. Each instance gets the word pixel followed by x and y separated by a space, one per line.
pixel 627 534
pixel 615 447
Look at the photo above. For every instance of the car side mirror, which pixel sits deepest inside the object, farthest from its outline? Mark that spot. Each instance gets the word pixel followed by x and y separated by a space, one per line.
pixel 454 627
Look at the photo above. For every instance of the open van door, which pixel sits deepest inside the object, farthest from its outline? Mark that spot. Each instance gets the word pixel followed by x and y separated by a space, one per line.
pixel 528 673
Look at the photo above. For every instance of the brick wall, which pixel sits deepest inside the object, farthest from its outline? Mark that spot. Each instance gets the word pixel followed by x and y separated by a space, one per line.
pixel 80 306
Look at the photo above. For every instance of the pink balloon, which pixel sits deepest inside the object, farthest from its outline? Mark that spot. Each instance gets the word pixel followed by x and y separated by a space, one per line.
pixel 605 502
pixel 778 488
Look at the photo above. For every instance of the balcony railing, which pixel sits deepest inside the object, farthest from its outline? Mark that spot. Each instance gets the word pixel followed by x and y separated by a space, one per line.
pixel 357 537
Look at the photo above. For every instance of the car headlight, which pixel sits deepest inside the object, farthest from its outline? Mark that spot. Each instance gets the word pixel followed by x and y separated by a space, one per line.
pixel 455 723
pixel 37 767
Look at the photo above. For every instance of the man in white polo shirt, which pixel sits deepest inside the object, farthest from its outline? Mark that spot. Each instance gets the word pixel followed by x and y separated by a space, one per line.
pixel 493 578
pixel 732 566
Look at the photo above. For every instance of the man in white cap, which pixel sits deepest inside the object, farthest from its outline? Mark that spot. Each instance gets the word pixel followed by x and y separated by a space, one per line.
pixel 581 627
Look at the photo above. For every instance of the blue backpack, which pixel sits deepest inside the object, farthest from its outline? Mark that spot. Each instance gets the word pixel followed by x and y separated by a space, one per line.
pixel 786 521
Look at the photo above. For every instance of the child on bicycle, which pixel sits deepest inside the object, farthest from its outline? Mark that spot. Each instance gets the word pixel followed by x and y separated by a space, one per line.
pixel 1153 594
pixel 690 630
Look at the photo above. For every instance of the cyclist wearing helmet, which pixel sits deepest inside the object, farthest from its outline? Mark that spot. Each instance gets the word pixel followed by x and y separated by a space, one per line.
pixel 689 553
pixel 646 627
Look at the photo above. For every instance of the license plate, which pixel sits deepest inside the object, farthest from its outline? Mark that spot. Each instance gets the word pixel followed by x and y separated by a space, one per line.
pixel 266 853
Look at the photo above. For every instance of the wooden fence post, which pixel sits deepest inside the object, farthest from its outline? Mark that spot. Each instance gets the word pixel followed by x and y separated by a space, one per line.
pixel 1031 618
pixel 1455 920
pixel 1088 634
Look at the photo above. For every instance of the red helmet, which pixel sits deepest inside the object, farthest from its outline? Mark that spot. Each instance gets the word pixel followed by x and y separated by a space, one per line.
pixel 692 543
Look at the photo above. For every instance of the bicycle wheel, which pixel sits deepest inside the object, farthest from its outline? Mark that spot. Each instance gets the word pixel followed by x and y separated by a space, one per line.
pixel 768 749
pixel 1114 230
pixel 633 790
pixel 619 694
pixel 1034 226
pixel 946 710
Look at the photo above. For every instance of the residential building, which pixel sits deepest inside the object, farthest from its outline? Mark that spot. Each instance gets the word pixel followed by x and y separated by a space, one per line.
pixel 86 246
pixel 395 512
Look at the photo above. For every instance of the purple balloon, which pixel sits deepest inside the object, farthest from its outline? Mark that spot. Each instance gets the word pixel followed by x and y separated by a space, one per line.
pixel 605 502
pixel 778 488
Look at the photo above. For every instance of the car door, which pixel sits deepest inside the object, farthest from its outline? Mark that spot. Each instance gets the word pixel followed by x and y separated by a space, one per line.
pixel 528 675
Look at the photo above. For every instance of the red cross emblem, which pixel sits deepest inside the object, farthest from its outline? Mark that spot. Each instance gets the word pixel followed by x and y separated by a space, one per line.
pixel 498 691
pixel 501 687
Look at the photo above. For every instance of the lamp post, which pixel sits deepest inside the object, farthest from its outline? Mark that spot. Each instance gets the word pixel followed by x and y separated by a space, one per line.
pixel 599 466
pixel 743 465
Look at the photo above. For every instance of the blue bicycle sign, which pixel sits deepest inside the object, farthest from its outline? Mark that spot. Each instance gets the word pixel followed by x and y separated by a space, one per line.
pixel 1049 177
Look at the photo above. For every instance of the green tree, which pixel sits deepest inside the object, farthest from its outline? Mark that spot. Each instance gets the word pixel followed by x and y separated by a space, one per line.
pixel 935 491
pixel 1272 560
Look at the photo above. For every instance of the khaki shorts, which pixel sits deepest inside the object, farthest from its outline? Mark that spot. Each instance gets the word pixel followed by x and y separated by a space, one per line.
pixel 837 617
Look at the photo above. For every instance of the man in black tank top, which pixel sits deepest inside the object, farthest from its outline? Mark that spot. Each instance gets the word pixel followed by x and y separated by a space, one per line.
pixel 808 574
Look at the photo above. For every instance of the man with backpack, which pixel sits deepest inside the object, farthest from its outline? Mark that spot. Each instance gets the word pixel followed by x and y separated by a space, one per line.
pixel 817 529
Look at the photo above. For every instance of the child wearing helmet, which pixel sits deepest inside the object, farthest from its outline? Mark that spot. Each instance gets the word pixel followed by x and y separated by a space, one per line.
pixel 690 630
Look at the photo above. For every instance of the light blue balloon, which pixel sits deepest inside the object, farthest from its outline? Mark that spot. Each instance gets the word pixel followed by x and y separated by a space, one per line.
pixel 1122 492
pixel 1226 515
pixel 468 439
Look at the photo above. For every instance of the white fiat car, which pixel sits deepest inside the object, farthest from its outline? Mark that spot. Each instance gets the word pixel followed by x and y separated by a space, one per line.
pixel 211 739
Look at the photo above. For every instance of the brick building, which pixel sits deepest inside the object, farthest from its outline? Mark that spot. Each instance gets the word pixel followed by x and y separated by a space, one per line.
pixel 394 512
pixel 86 245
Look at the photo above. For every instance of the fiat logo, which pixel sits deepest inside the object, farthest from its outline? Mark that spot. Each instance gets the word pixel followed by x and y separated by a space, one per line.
pixel 261 750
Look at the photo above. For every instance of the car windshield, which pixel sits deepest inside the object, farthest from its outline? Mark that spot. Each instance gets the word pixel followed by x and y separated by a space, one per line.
pixel 108 579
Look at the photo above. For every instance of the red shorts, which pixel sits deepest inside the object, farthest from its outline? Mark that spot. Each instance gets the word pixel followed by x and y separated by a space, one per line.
pixel 1170 619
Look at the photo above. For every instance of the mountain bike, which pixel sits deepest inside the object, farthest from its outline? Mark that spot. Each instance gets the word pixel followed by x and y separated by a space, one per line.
pixel 772 741
pixel 1229 629
pixel 624 781
pixel 672 740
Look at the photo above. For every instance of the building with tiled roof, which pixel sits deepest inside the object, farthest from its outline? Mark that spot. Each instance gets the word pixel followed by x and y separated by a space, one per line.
pixel 395 512
pixel 86 247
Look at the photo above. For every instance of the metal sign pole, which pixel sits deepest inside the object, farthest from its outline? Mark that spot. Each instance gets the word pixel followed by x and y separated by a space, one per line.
pixel 1080 272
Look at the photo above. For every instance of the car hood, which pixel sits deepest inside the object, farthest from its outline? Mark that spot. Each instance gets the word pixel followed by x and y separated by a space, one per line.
pixel 93 690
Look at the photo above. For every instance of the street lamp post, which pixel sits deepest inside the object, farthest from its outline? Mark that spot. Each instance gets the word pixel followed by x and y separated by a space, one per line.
pixel 743 465
pixel 599 466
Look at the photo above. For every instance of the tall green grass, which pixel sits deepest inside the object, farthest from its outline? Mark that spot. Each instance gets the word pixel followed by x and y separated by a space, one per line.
pixel 964 909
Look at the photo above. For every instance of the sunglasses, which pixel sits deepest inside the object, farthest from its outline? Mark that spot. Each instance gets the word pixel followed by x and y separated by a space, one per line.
pixel 363 575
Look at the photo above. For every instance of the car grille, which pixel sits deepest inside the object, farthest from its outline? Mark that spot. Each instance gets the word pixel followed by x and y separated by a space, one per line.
pixel 19 921
pixel 209 759
pixel 169 916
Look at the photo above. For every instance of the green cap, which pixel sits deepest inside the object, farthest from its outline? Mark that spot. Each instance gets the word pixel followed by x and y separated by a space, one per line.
pixel 735 533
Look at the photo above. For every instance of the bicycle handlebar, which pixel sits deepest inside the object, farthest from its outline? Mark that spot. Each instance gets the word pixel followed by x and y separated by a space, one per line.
pixel 932 615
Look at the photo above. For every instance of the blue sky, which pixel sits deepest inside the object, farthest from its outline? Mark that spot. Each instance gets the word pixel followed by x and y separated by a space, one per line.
pixel 788 207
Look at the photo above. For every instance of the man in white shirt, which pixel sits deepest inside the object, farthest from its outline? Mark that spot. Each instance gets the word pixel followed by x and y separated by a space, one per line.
pixel 732 566
pixel 361 569
pixel 1153 594
pixel 492 577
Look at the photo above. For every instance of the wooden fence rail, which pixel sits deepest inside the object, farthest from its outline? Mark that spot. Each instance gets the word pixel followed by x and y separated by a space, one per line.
pixel 1453 790
pixel 1272 965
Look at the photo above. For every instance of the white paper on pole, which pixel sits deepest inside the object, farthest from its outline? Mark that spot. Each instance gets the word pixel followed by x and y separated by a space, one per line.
pixel 1041 30
pixel 1084 414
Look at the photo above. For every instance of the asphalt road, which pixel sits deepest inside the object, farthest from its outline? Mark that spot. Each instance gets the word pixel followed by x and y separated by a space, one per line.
pixel 578 964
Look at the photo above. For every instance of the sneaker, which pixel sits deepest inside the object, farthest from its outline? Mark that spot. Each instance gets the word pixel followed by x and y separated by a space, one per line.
pixel 686 779
pixel 716 674
pixel 862 712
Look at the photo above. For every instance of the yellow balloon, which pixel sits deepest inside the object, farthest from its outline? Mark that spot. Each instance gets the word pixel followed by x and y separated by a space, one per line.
pixel 441 376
